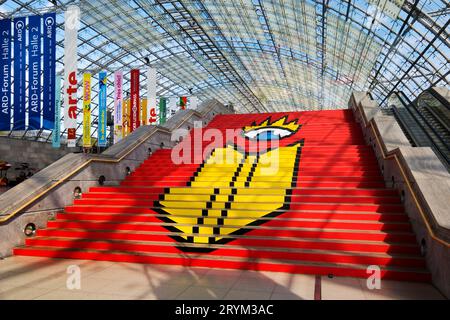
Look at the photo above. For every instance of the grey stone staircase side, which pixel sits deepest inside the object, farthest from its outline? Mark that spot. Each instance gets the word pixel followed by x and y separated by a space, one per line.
pixel 425 190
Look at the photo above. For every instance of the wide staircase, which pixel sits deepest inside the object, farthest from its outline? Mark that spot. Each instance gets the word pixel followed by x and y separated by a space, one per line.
pixel 310 200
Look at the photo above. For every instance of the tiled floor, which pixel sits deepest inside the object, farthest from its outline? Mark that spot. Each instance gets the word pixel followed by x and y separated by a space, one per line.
pixel 42 278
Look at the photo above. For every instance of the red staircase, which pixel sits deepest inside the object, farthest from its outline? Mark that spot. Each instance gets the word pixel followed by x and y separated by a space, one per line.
pixel 341 217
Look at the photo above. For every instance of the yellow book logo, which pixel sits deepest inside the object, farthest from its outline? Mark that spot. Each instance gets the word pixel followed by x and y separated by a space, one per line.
pixel 234 190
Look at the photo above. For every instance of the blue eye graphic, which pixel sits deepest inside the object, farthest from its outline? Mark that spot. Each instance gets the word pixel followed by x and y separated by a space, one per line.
pixel 268 133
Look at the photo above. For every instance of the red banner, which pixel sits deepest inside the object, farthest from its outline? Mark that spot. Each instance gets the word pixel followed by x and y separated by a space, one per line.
pixel 183 103
pixel 135 100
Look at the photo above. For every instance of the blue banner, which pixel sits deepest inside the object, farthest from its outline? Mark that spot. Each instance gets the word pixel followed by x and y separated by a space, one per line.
pixel 19 73
pixel 102 110
pixel 49 67
pixel 5 71
pixel 56 140
pixel 34 72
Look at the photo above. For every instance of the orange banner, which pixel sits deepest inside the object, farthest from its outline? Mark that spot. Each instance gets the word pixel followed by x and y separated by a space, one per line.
pixel 144 118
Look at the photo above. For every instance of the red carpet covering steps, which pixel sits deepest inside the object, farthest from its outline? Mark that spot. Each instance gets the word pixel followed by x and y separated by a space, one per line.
pixel 341 219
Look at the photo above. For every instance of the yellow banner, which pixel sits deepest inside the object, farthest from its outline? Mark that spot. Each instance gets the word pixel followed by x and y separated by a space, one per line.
pixel 125 117
pixel 87 110
pixel 144 118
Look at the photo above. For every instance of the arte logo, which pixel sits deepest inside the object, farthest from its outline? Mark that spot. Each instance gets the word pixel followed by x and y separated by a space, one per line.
pixel 152 118
pixel 258 157
pixel 72 95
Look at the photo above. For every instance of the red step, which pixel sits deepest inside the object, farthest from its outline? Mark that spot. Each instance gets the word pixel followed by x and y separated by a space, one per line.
pixel 128 189
pixel 293 206
pixel 376 238
pixel 231 251
pixel 228 264
pixel 294 199
pixel 331 184
pixel 347 207
pixel 119 192
pixel 313 223
pixel 346 175
pixel 288 215
pixel 162 183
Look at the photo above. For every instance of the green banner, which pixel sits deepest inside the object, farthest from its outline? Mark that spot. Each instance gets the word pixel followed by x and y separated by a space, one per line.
pixel 162 110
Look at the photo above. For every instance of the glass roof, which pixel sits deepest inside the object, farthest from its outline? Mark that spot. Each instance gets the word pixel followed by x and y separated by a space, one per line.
pixel 261 55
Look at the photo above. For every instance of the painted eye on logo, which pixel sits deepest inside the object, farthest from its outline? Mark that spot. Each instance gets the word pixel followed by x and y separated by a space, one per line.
pixel 271 131
pixel 268 133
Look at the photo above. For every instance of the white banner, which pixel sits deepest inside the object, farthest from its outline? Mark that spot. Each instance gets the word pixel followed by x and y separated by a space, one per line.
pixel 71 25
pixel 193 102
pixel 118 100
pixel 172 107
pixel 151 96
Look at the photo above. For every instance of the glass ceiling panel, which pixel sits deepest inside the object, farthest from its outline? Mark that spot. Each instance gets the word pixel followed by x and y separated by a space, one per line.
pixel 260 55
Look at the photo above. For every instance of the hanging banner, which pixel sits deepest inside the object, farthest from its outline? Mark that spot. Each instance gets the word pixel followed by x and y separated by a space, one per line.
pixel 71 17
pixel 171 107
pixel 144 112
pixel 193 102
pixel 5 69
pixel 183 103
pixel 118 97
pixel 153 118
pixel 128 117
pixel 134 100
pixel 125 117
pixel 87 110
pixel 162 110
pixel 49 72
pixel 102 109
pixel 34 72
pixel 151 95
pixel 56 140
pixel 19 73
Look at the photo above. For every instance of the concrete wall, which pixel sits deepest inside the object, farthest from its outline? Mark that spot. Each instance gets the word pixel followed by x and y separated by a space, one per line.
pixel 38 154
pixel 427 205
pixel 51 189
